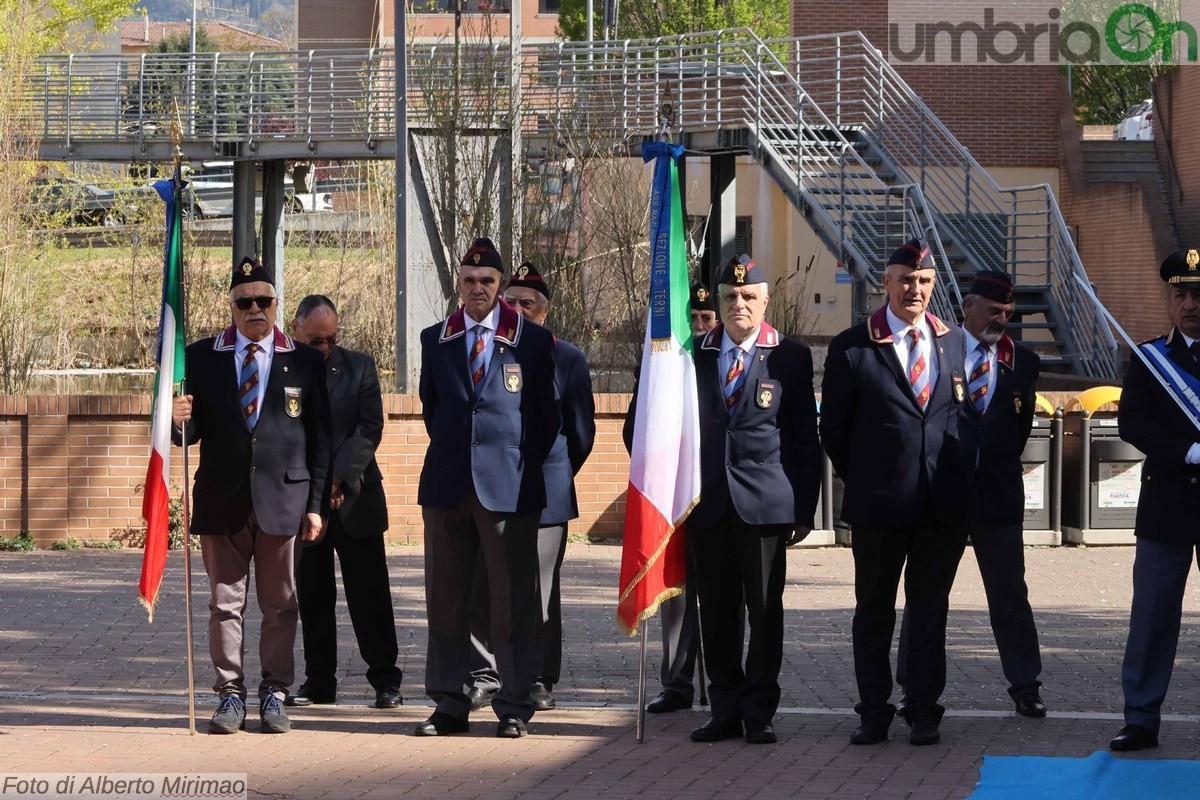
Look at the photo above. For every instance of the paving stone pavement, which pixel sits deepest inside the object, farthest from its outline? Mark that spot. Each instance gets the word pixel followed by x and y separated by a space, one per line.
pixel 86 684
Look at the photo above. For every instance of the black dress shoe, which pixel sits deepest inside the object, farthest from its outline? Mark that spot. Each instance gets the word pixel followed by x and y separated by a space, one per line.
pixel 388 697
pixel 1030 705
pixel 869 733
pixel 667 701
pixel 718 729
pixel 542 699
pixel 307 696
pixel 1133 737
pixel 759 732
pixel 511 727
pixel 924 733
pixel 480 697
pixel 440 724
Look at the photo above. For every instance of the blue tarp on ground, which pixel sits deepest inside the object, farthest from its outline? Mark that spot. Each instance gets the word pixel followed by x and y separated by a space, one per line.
pixel 1100 776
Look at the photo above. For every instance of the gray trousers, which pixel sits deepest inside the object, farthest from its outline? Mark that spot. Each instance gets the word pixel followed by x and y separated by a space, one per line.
pixel 552 547
pixel 1160 573
pixel 459 542
pixel 227 561
pixel 681 637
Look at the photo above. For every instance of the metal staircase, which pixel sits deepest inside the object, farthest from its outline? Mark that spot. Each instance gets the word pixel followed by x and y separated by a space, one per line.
pixel 859 155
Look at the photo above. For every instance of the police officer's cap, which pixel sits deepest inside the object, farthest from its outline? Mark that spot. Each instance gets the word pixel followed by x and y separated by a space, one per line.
pixel 249 271
pixel 993 285
pixel 483 254
pixel 914 254
pixel 702 298
pixel 527 275
pixel 741 271
pixel 1181 267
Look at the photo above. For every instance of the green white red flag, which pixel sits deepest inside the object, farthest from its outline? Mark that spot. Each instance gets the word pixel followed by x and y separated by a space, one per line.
pixel 664 469
pixel 156 501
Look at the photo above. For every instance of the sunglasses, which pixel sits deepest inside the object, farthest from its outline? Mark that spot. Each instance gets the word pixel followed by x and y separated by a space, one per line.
pixel 264 302
pixel 318 341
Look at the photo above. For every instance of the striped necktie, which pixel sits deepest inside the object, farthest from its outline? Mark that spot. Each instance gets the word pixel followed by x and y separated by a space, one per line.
pixel 248 388
pixel 977 385
pixel 477 364
pixel 734 379
pixel 918 370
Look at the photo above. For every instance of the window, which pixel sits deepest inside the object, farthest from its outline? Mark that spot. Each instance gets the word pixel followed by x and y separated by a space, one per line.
pixel 548 6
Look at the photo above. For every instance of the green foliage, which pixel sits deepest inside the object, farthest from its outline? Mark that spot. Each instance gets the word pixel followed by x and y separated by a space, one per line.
pixel 103 544
pixel 647 19
pixel 21 543
pixel 57 22
pixel 175 524
pixel 1102 94
pixel 66 544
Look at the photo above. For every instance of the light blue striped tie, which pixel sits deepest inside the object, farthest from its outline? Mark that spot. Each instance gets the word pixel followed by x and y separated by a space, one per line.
pixel 918 370
pixel 734 380
pixel 978 382
pixel 478 364
pixel 248 386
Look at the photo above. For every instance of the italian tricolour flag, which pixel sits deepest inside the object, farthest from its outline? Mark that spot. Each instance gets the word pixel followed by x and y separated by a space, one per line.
pixel 157 498
pixel 664 469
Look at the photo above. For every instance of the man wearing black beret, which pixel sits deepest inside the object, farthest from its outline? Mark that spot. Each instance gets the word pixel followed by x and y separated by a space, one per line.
pixel 1169 504
pixel 258 407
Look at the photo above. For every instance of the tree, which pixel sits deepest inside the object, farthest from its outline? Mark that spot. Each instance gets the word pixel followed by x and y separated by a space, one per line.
pixel 1102 93
pixel 647 19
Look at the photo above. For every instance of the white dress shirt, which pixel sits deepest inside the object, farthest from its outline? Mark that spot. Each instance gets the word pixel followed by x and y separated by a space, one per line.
pixel 901 341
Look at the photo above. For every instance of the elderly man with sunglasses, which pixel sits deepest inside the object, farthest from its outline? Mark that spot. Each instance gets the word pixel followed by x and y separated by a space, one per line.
pixel 257 406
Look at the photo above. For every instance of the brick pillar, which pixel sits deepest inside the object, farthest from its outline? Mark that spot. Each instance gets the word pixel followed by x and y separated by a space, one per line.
pixel 47 516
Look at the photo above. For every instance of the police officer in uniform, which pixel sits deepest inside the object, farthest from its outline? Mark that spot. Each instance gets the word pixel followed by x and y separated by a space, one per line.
pixel 487 398
pixel 889 422
pixel 1169 504
pixel 528 293
pixel 679 615
pixel 760 474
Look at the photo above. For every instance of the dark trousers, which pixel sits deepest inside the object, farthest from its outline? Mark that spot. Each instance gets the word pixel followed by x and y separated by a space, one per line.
pixel 1160 573
pixel 1000 552
pixel 368 598
pixel 454 540
pixel 740 572
pixel 681 637
pixel 552 548
pixel 928 554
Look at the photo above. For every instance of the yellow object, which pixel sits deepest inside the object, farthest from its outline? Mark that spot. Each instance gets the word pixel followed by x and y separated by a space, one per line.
pixel 1043 405
pixel 1095 397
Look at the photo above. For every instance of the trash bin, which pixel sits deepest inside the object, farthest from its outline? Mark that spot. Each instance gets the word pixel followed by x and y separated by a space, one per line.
pixel 1102 477
pixel 1041 463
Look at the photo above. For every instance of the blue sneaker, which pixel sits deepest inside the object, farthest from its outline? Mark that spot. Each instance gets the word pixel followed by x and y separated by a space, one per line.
pixel 274 719
pixel 230 716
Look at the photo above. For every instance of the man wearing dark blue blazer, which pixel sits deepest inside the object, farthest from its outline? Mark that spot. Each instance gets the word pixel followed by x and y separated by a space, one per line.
pixel 489 405
pixel 257 405
pixel 890 403
pixel 994 426
pixel 1168 538
pixel 528 293
pixel 760 475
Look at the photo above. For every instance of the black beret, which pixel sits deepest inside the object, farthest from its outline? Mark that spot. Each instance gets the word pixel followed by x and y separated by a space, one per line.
pixel 992 284
pixel 1181 267
pixel 702 298
pixel 741 271
pixel 527 275
pixel 249 271
pixel 483 254
pixel 912 254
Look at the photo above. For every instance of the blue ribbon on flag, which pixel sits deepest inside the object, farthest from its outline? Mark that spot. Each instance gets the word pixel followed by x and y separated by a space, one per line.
pixel 661 202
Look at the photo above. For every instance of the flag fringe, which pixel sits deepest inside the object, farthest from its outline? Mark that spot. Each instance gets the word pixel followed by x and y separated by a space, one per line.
pixel 661 345
pixel 650 562
pixel 149 605
pixel 649 611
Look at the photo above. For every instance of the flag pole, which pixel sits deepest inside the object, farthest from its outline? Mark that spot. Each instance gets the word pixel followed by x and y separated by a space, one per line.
pixel 641 714
pixel 177 140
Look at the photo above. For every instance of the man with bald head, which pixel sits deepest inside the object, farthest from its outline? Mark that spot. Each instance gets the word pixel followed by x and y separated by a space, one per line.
pixel 890 405
pixel 256 404
pixel 357 521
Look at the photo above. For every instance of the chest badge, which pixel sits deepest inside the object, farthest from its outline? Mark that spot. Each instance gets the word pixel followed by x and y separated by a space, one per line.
pixel 960 390
pixel 1017 404
pixel 292 396
pixel 512 378
pixel 766 394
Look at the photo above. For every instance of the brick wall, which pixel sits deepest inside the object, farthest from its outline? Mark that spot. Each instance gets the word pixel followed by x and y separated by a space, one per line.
pixel 1178 95
pixel 1005 115
pixel 72 467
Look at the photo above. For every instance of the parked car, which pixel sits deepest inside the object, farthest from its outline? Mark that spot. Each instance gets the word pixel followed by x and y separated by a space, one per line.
pixel 212 183
pixel 1137 124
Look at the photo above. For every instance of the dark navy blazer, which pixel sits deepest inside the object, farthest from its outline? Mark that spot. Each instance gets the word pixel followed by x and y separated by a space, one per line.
pixel 498 443
pixel 764 458
pixel 279 469
pixel 573 444
pixel 357 407
pixel 1169 503
pixel 896 460
pixel 998 436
